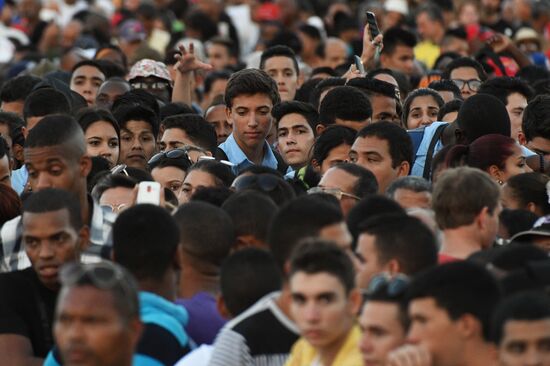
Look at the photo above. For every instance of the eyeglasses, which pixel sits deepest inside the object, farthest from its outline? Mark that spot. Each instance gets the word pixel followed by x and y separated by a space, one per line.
pixel 395 286
pixel 156 85
pixel 120 169
pixel 114 208
pixel 176 154
pixel 225 162
pixel 473 84
pixel 265 182
pixel 336 192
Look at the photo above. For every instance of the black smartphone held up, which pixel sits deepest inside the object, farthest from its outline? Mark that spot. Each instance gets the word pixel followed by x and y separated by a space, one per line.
pixel 373 26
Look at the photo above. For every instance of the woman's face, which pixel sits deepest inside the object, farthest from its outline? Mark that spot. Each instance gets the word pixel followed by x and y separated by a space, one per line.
pixel 422 112
pixel 514 165
pixel 102 140
pixel 195 179
pixel 339 154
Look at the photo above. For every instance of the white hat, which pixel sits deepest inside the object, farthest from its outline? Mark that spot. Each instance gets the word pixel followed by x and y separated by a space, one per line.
pixel 399 6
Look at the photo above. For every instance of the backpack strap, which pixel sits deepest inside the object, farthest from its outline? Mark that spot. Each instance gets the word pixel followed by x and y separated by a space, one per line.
pixel 430 152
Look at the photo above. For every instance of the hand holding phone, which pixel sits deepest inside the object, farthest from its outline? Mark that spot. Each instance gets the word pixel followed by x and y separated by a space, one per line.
pixel 373 26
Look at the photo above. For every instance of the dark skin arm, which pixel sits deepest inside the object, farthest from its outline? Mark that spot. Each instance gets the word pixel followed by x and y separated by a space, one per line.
pixel 16 350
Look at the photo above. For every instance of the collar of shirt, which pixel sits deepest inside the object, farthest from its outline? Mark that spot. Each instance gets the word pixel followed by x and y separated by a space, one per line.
pixel 241 161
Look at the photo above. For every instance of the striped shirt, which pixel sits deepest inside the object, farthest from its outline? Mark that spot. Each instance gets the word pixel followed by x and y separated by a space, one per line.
pixel 261 336
pixel 12 252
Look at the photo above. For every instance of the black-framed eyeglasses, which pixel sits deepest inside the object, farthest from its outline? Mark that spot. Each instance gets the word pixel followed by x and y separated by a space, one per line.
pixel 336 192
pixel 473 84
pixel 395 286
pixel 176 154
pixel 120 169
pixel 266 182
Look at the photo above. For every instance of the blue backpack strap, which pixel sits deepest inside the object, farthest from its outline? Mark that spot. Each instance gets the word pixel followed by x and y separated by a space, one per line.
pixel 430 154
pixel 416 136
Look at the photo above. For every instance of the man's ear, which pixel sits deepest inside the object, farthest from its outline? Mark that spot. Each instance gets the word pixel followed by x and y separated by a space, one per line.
pixel 459 136
pixel 83 238
pixel 85 165
pixel 355 301
pixel 319 129
pixel 521 138
pixel 469 326
pixel 228 116
pixel 404 169
pixel 222 308
pixel 315 165
pixel 18 152
pixel 393 267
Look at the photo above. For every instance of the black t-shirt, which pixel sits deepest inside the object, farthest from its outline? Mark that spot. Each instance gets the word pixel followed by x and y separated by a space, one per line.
pixel 27 308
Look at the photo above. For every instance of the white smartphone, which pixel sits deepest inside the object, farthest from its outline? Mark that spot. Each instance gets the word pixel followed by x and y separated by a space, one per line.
pixel 149 192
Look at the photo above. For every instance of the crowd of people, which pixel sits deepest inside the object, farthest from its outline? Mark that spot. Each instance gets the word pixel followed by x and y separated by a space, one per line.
pixel 274 183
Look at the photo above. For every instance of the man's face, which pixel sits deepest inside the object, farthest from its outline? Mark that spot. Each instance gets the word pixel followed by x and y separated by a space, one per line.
pixel 461 76
pixel 13 107
pixel 174 138
pixel 339 154
pixel 515 107
pixel 86 81
pixel 525 342
pixel 402 59
pixel 89 330
pixel 540 145
pixel 382 331
pixel 250 116
pixel 50 241
pixel 169 177
pixel 5 171
pixel 426 26
pixel 342 180
pixel 218 56
pixel 432 328
pixel 336 54
pixel 295 138
pixel 384 109
pixel 137 144
pixel 109 91
pixel 370 264
pixel 281 69
pixel 217 118
pixel 374 154
pixel 54 167
pixel 321 308
pixel 410 199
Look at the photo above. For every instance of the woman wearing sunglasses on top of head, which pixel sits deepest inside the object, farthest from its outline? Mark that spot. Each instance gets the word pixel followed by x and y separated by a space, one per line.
pixel 203 174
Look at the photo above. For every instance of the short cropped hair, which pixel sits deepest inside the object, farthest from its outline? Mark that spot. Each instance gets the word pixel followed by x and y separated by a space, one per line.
pixel 304 109
pixel 251 213
pixel 127 113
pixel 502 87
pixel 526 306
pixel 372 86
pixel 45 101
pixel 250 82
pixel 53 199
pixel 196 128
pixel 281 51
pixel 536 118
pixel 316 255
pixel 446 85
pixel 58 130
pixel 530 187
pixel 397 36
pixel 410 183
pixel 464 62
pixel 460 194
pixel 459 288
pixel 112 181
pixel 302 217
pixel 344 102
pixel 206 232
pixel 145 239
pixel 399 141
pixel 366 181
pixel 331 138
pixel 18 88
pixel 404 238
pixel 254 267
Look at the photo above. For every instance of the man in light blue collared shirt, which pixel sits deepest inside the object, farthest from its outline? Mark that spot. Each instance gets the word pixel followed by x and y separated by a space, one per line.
pixel 249 97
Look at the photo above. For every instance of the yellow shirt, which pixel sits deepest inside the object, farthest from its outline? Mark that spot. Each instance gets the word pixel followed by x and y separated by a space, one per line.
pixel 427 52
pixel 303 354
